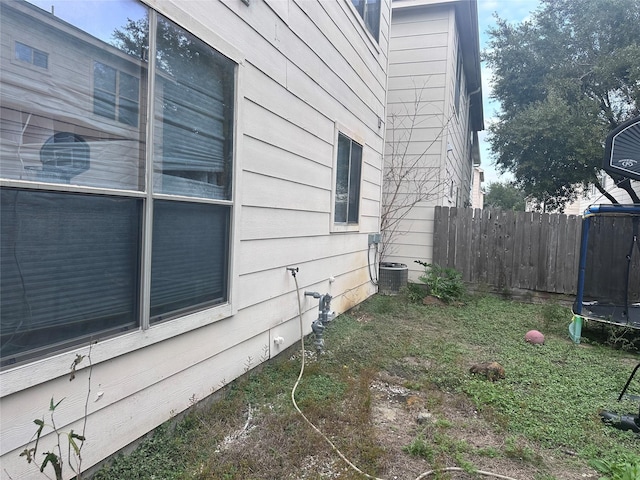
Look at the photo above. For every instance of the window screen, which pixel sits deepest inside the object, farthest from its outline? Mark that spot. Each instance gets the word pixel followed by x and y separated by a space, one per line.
pixel 190 252
pixel 69 268
pixel 349 165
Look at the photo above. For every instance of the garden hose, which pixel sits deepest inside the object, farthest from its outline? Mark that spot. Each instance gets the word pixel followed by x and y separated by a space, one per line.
pixel 333 447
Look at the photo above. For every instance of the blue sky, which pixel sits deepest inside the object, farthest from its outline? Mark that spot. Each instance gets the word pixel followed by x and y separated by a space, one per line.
pixel 512 11
pixel 105 16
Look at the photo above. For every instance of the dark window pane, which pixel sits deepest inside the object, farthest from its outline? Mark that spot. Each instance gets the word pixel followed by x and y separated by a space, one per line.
pixel 359 4
pixel 128 86
pixel 372 17
pixel 128 112
pixel 189 257
pixel 40 59
pixel 354 182
pixel 38 103
pixel 342 179
pixel 69 268
pixel 104 77
pixel 369 10
pixel 348 174
pixel 104 104
pixel 104 90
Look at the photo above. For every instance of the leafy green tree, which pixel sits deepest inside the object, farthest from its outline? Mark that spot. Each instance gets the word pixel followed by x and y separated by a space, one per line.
pixel 505 195
pixel 564 79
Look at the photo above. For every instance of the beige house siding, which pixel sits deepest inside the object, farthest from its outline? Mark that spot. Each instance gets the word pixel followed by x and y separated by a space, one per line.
pixel 306 70
pixel 426 40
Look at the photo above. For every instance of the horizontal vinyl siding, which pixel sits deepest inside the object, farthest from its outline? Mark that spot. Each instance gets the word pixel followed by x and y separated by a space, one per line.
pixel 415 240
pixel 262 124
pixel 419 68
pixel 274 97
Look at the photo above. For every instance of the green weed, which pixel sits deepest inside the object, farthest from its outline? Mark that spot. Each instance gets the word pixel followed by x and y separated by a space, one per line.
pixel 420 447
pixel 443 283
pixel 625 468
pixel 548 402
pixel 515 448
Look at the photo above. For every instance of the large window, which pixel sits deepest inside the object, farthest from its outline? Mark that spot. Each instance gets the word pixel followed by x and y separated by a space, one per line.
pixel 349 166
pixel 369 10
pixel 102 233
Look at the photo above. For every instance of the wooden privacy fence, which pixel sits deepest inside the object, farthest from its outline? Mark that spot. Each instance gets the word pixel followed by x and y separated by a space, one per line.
pixel 507 249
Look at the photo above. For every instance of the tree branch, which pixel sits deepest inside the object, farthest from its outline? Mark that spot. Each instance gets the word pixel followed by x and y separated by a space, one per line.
pixel 407 179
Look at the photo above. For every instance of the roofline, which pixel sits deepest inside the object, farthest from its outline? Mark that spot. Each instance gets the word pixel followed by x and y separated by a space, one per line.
pixel 467 15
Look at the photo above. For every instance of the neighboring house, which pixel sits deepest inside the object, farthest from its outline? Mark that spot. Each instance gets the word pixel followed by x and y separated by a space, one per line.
pixel 591 196
pixel 434 111
pixel 477 194
pixel 156 185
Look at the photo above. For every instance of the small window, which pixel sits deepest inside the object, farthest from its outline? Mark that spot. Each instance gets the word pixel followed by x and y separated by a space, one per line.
pixel 115 94
pixel 28 54
pixel 459 75
pixel 348 174
pixel 369 10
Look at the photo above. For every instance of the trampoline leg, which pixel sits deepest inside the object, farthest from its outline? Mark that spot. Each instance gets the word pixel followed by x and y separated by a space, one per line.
pixel 575 329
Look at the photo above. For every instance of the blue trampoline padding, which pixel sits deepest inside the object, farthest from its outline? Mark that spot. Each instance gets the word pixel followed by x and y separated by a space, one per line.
pixel 620 209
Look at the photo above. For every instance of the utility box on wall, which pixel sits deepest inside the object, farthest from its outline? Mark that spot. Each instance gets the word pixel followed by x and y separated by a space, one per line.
pixel 392 278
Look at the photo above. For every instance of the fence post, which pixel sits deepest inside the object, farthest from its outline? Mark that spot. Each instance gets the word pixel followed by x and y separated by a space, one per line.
pixel 440 235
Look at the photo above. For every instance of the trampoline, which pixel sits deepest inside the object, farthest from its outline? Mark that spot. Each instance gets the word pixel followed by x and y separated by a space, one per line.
pixel 609 283
pixel 609 269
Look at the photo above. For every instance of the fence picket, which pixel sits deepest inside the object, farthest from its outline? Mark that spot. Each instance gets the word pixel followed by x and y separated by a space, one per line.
pixel 533 251
pixel 507 249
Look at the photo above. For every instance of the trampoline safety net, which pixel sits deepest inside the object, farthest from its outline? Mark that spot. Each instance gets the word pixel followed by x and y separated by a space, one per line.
pixel 611 287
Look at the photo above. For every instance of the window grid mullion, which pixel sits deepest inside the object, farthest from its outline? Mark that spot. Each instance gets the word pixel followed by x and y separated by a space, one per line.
pixel 147 214
pixel 117 95
pixel 349 179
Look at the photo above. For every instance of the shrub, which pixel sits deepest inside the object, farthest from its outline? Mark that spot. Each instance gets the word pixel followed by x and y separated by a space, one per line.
pixel 443 283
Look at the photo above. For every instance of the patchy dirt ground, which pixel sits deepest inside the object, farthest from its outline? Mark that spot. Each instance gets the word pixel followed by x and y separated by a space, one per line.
pixel 401 414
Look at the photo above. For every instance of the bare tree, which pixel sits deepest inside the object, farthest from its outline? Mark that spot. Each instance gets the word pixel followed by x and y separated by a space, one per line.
pixel 408 177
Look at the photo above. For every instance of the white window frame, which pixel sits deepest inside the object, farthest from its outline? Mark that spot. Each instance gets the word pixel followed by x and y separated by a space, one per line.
pixel 356 14
pixel 41 370
pixel 336 227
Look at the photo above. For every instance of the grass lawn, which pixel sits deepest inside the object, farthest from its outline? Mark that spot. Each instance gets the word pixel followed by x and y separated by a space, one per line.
pixel 394 394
